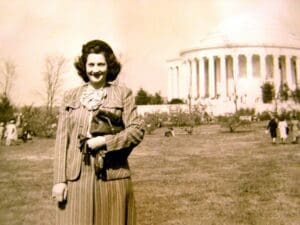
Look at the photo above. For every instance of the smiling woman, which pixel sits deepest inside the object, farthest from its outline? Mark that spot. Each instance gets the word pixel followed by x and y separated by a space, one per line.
pixel 97 130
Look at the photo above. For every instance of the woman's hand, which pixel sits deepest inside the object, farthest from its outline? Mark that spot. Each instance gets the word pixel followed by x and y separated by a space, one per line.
pixel 59 192
pixel 96 142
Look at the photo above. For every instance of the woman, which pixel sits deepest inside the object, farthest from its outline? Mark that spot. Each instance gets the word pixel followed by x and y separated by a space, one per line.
pixel 91 174
pixel 272 127
pixel 11 133
pixel 283 128
pixel 295 127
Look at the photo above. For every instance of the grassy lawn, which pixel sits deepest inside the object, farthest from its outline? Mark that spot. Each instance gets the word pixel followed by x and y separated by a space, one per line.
pixel 212 177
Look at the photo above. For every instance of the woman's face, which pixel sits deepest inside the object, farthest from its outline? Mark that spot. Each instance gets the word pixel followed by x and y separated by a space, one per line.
pixel 96 68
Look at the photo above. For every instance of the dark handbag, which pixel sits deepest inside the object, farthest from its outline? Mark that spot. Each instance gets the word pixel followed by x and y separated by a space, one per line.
pixel 103 123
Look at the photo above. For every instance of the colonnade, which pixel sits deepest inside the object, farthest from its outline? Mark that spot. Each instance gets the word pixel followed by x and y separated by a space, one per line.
pixel 197 75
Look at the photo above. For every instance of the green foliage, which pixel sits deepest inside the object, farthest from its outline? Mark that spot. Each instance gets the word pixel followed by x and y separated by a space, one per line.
pixel 182 118
pixel 290 114
pixel 265 115
pixel 40 122
pixel 284 92
pixel 296 95
pixel 246 112
pixel 144 98
pixel 232 122
pixel 156 99
pixel 176 101
pixel 175 119
pixel 6 109
pixel 154 120
pixel 268 92
pixel 296 114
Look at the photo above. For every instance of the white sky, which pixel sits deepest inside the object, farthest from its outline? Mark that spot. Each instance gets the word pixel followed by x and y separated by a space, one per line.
pixel 143 33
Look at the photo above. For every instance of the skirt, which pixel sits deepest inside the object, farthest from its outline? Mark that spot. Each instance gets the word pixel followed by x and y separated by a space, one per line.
pixel 93 201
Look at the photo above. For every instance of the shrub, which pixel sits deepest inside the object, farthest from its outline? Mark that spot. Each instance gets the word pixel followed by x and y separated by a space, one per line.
pixel 265 115
pixel 144 98
pixel 284 92
pixel 268 92
pixel 296 114
pixel 232 122
pixel 153 121
pixel 246 112
pixel 176 101
pixel 296 95
pixel 173 119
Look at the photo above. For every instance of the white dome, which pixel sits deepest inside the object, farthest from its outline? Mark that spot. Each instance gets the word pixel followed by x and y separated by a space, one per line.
pixel 250 30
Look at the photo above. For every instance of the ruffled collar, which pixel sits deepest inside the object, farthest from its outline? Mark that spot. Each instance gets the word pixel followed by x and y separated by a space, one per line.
pixel 92 98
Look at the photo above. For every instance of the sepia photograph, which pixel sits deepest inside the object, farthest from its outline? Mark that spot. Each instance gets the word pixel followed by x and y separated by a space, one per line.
pixel 150 112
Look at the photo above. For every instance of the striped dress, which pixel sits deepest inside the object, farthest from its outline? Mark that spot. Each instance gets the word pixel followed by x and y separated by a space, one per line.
pixel 96 201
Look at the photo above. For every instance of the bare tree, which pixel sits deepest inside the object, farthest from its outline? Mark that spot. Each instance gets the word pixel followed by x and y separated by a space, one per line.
pixel 8 73
pixel 54 69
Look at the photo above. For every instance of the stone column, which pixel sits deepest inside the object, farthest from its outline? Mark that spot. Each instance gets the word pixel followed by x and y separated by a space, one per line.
pixel 185 79
pixel 174 82
pixel 212 81
pixel 189 72
pixel 170 91
pixel 235 63
pixel 277 78
pixel 180 84
pixel 186 69
pixel 202 76
pixel 289 78
pixel 223 77
pixel 235 67
pixel 194 79
pixel 298 71
pixel 263 70
pixel 249 67
pixel 177 82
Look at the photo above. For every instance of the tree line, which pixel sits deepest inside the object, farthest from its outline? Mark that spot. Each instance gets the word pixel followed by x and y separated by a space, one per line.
pixel 144 98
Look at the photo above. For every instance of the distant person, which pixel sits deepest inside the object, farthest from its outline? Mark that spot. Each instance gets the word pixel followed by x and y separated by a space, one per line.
pixel 26 133
pixel 11 134
pixel 295 129
pixel 272 128
pixel 19 120
pixel 2 128
pixel 97 129
pixel 283 129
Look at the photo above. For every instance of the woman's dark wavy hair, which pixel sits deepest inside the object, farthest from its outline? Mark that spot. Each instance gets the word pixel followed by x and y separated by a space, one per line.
pixel 98 46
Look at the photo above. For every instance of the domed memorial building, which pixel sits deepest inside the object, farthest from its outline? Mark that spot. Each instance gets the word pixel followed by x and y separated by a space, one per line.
pixel 235 60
